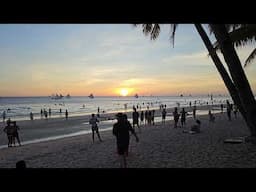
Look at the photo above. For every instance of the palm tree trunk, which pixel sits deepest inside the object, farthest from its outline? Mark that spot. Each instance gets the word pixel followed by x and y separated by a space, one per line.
pixel 238 76
pixel 221 69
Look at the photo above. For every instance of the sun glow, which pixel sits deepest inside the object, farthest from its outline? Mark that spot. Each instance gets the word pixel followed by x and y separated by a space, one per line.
pixel 124 92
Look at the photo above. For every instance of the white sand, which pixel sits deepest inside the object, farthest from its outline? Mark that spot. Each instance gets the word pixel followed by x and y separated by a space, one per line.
pixel 160 146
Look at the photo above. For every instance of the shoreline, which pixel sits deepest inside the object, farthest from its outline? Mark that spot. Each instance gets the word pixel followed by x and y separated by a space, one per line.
pixel 44 130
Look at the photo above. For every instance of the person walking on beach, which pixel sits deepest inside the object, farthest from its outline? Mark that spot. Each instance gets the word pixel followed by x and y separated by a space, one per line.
pixel 163 115
pixel 50 112
pixel 15 133
pixel 93 121
pixel 31 116
pixel 183 117
pixel 141 117
pixel 9 131
pixel 135 119
pixel 66 114
pixel 176 117
pixel 121 131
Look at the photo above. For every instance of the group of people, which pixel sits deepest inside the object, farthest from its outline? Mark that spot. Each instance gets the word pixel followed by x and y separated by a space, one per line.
pixel 11 129
pixel 45 113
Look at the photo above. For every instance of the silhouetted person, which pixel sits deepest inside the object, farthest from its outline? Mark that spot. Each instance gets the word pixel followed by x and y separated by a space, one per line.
pixel 196 128
pixel 21 164
pixel 121 130
pixel 146 117
pixel 163 115
pixel 135 119
pixel 149 117
pixel 93 121
pixel 41 112
pixel 15 133
pixel 45 114
pixel 228 110
pixel 31 116
pixel 153 117
pixel 60 111
pixel 141 117
pixel 221 108
pixel 194 112
pixel 4 116
pixel 183 117
pixel 66 114
pixel 9 132
pixel 190 104
pixel 175 117
pixel 50 112
pixel 98 109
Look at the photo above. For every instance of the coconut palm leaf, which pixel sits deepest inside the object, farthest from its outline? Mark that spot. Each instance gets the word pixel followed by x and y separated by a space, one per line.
pixel 241 35
pixel 250 58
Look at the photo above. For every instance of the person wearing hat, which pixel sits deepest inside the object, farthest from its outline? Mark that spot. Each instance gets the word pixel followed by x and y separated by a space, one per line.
pixel 121 130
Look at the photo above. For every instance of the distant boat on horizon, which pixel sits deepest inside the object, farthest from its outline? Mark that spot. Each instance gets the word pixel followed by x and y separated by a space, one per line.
pixel 136 95
pixel 91 96
pixel 68 96
pixel 60 96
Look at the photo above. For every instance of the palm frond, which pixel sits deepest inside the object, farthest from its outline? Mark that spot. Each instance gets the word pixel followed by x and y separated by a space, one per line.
pixel 155 32
pixel 173 30
pixel 147 28
pixel 250 58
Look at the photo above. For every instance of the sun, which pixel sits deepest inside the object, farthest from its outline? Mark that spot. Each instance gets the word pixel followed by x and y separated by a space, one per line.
pixel 124 92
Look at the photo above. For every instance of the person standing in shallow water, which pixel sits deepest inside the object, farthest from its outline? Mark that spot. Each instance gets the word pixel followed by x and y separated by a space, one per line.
pixel 31 116
pixel 93 121
pixel 66 114
pixel 121 130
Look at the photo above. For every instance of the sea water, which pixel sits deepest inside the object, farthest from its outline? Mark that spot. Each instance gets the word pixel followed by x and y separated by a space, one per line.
pixel 19 108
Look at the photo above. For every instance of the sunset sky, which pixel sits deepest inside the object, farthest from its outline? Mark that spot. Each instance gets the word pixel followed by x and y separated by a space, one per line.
pixel 103 59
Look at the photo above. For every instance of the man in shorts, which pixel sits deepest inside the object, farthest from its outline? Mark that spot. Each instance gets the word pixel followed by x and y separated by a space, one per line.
pixel 121 131
pixel 93 121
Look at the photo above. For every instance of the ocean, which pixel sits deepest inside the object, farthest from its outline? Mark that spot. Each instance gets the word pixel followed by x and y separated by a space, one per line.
pixel 19 108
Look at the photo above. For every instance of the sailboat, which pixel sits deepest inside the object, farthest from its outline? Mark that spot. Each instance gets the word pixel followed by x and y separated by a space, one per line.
pixel 91 96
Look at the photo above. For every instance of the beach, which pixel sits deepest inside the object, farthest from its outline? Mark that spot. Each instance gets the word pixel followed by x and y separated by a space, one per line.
pixel 160 146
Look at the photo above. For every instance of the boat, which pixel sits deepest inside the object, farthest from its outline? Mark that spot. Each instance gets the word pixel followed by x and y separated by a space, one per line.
pixel 68 96
pixel 91 96
pixel 136 95
pixel 60 96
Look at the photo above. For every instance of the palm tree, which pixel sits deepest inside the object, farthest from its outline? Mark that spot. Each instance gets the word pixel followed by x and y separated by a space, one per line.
pixel 237 85
pixel 241 35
